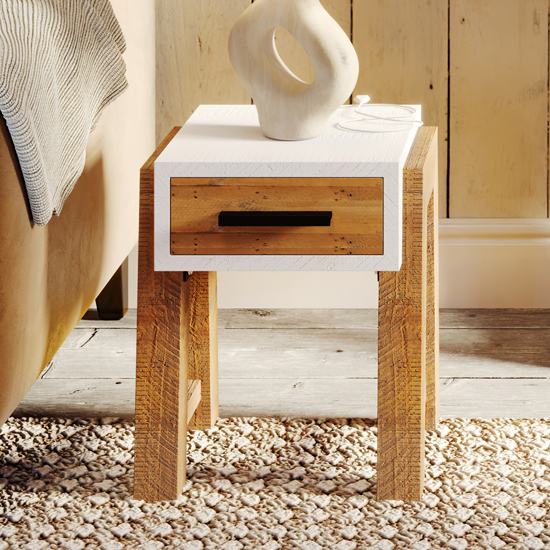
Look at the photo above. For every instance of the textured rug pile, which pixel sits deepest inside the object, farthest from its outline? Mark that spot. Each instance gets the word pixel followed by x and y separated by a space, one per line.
pixel 274 484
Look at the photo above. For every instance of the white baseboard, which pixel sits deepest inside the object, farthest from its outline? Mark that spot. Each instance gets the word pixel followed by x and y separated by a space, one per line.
pixel 494 263
pixel 484 263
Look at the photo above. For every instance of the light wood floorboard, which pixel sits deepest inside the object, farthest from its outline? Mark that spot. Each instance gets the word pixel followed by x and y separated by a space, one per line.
pixel 319 363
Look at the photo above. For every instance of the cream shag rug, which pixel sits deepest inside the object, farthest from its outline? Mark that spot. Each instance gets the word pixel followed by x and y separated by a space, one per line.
pixel 274 483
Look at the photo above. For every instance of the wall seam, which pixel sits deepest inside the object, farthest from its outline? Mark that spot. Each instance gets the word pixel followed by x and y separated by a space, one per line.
pixel 351 38
pixel 448 182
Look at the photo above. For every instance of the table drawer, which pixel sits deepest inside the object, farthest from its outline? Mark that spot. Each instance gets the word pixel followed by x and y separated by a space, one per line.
pixel 293 216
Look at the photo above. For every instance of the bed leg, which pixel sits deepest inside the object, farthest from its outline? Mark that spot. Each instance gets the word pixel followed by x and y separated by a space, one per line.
pixel 112 302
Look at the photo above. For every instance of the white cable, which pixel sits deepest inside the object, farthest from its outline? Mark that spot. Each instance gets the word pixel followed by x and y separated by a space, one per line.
pixel 399 122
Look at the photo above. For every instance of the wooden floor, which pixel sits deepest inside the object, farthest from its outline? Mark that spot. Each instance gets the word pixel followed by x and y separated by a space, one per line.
pixel 323 363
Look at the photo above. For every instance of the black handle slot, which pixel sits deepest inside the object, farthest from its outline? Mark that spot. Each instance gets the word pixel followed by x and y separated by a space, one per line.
pixel 274 219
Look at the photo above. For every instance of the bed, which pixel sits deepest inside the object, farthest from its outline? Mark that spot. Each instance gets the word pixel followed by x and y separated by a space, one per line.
pixel 50 275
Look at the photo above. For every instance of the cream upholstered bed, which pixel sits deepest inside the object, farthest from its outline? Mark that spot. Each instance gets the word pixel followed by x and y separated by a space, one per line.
pixel 50 275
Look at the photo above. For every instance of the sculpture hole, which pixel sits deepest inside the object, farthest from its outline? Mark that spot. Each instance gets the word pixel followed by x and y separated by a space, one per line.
pixel 293 55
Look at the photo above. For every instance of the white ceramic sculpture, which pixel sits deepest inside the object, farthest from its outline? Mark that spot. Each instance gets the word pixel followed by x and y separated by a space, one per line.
pixel 288 107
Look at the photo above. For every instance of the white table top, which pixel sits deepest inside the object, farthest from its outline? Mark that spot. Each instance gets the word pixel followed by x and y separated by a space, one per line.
pixel 226 141
pixel 228 137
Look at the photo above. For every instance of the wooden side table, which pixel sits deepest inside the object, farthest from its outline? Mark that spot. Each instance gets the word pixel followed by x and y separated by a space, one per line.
pixel 217 195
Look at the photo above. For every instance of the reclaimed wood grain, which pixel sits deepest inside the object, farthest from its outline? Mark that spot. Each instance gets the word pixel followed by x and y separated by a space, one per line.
pixel 201 309
pixel 161 365
pixel 495 353
pixel 402 49
pixel 503 398
pixel 298 397
pixel 277 243
pixel 432 297
pixel 426 162
pixel 357 206
pixel 495 318
pixel 432 318
pixel 402 341
pixel 499 108
pixel 193 398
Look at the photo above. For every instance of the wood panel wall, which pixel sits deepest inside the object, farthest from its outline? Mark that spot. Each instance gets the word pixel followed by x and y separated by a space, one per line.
pixel 193 65
pixel 479 68
pixel 499 108
pixel 402 48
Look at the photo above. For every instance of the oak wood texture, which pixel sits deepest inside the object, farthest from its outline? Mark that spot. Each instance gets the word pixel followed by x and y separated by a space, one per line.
pixel 403 336
pixel 356 225
pixel 428 163
pixel 499 108
pixel 192 59
pixel 193 398
pixel 161 367
pixel 202 311
pixel 432 320
pixel 176 359
pixel 402 49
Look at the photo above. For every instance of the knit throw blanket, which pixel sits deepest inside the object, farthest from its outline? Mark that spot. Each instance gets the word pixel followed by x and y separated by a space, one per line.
pixel 60 65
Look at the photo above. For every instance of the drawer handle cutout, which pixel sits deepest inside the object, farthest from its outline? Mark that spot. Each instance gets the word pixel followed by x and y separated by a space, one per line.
pixel 274 219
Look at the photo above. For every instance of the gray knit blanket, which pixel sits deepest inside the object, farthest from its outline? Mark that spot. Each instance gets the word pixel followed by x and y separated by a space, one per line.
pixel 60 66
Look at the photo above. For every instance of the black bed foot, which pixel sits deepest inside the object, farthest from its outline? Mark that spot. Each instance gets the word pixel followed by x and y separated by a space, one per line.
pixel 112 302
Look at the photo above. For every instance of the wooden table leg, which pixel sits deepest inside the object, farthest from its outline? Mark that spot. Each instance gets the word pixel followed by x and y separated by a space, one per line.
pixel 176 336
pixel 203 346
pixel 402 337
pixel 161 391
pixel 432 321
pixel 112 302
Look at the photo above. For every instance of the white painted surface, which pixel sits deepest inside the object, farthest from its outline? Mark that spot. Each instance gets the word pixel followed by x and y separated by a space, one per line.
pixel 226 141
pixel 288 107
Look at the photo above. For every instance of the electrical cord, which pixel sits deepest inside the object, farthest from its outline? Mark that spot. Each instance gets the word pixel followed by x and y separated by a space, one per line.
pixel 393 123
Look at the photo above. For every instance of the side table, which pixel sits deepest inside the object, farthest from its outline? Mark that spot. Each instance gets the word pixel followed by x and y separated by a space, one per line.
pixel 217 195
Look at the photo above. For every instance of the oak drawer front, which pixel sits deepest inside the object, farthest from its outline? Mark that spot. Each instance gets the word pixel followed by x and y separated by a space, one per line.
pixel 204 213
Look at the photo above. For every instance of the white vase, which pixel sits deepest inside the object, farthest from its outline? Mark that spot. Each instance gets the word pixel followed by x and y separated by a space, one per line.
pixel 289 108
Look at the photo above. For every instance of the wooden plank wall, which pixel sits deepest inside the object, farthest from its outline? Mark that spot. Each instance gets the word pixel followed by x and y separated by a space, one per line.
pixel 499 108
pixel 402 48
pixel 193 65
pixel 479 68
